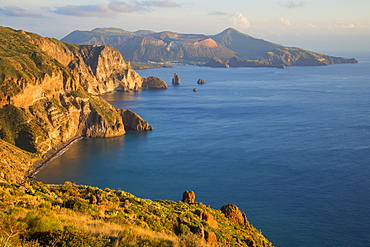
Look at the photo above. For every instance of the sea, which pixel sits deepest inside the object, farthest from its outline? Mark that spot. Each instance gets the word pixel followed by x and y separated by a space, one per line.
pixel 290 147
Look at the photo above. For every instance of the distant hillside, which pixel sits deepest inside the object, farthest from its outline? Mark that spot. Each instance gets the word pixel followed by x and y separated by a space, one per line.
pixel 230 48
pixel 245 46
pixel 144 46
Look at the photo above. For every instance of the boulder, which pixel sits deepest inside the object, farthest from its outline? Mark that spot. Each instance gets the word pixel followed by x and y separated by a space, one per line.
pixel 188 197
pixel 176 79
pixel 233 213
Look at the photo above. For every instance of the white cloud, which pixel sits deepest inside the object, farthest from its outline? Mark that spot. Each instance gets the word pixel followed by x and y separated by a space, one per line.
pixel 311 25
pixel 239 21
pixel 218 13
pixel 113 7
pixel 351 25
pixel 292 4
pixel 15 11
pixel 285 21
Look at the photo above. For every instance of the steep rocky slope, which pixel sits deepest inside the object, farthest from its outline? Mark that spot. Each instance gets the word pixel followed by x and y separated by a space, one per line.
pixel 48 93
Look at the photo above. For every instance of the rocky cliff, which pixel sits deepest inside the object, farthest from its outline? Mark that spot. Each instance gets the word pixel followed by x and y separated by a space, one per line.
pixel 48 92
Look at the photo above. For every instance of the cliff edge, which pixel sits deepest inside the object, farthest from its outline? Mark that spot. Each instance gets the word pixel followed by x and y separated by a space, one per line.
pixel 48 93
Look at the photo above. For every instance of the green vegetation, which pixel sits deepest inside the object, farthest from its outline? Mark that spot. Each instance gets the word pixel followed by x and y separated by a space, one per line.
pixel 14 162
pixel 57 215
pixel 18 128
pixel 21 58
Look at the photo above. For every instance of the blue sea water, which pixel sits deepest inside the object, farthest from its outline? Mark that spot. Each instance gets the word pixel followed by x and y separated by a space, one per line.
pixel 290 147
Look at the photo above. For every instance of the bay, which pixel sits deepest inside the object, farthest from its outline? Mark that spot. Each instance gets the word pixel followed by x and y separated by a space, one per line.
pixel 290 147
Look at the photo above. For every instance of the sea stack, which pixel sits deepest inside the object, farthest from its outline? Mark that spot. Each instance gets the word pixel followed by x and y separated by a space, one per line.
pixel 201 81
pixel 176 79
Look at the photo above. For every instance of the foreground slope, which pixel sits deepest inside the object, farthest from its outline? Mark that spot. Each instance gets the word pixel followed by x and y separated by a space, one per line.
pixel 74 215
pixel 229 48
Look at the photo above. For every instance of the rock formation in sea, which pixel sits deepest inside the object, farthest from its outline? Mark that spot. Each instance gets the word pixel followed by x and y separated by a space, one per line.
pixel 175 79
pixel 154 83
pixel 133 121
pixel 200 81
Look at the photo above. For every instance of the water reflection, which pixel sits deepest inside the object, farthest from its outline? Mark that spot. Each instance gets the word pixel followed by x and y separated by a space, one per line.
pixel 124 100
pixel 69 166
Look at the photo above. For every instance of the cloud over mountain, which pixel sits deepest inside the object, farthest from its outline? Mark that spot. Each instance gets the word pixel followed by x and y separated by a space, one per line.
pixel 113 7
pixel 239 21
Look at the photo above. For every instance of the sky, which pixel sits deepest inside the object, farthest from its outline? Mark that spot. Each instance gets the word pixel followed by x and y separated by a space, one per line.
pixel 317 25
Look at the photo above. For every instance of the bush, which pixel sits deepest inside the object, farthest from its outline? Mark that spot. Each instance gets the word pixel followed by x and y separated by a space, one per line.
pixel 68 237
pixel 41 223
pixel 155 243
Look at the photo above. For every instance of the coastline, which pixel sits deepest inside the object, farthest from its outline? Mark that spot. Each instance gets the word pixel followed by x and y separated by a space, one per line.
pixel 40 164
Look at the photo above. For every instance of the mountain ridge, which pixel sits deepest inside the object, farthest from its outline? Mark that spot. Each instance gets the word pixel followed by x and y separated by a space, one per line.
pixel 173 47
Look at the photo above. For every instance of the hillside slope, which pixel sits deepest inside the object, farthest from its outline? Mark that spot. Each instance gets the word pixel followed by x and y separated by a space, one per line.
pixel 245 46
pixel 75 215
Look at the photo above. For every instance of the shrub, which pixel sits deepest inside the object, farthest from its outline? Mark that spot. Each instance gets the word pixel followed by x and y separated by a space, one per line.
pixel 68 237
pixel 41 222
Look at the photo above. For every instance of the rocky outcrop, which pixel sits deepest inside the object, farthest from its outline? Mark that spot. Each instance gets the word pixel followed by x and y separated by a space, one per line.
pixel 132 121
pixel 175 79
pixel 154 83
pixel 207 217
pixel 200 81
pixel 188 197
pixel 233 213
